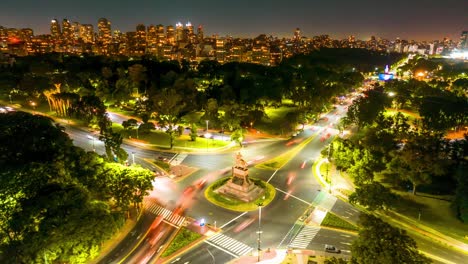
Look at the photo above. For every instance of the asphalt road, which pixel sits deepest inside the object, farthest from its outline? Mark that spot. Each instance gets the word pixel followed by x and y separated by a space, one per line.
pixel 297 191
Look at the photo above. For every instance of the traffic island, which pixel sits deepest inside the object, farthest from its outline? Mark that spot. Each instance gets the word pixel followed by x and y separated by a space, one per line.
pixel 234 204
pixel 239 192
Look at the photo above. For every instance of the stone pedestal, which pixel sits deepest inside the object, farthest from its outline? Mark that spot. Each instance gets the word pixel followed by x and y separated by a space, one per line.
pixel 240 186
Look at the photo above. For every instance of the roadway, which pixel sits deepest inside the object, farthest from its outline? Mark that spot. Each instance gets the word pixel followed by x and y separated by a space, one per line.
pixel 297 192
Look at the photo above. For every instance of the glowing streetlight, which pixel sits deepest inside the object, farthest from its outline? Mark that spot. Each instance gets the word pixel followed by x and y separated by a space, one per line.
pixel 133 158
pixel 391 94
pixel 91 138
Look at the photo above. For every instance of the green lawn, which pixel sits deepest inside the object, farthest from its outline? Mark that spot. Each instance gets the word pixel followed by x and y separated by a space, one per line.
pixel 409 114
pixel 182 239
pixel 275 120
pixel 332 220
pixel 435 213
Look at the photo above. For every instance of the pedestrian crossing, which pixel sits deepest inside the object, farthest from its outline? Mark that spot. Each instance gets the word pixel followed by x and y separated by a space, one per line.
pixel 177 159
pixel 328 202
pixel 229 244
pixel 305 236
pixel 168 215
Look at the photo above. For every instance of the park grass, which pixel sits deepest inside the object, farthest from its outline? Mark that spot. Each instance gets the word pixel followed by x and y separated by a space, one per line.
pixel 281 160
pixel 276 118
pixel 412 116
pixel 237 205
pixel 435 213
pixel 161 138
pixel 182 239
pixel 332 220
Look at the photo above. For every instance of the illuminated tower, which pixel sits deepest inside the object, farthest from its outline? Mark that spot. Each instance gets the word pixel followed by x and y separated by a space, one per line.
pixel 104 35
pixel 179 31
pixel 220 50
pixel 104 31
pixel 160 35
pixel 200 33
pixel 140 39
pixel 75 29
pixel 170 35
pixel 152 39
pixel 188 32
pixel 87 33
pixel 297 35
pixel 66 30
pixel 55 29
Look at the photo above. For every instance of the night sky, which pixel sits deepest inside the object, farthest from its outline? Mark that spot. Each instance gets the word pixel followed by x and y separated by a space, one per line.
pixel 407 19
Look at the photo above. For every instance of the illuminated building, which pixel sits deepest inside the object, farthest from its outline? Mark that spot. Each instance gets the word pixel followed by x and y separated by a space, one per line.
pixel 152 39
pixel 55 29
pixel 140 40
pixel 179 32
pixel 220 50
pixel 66 31
pixel 189 33
pixel 104 35
pixel 160 35
pixel 87 33
pixel 200 34
pixel 75 31
pixel 170 35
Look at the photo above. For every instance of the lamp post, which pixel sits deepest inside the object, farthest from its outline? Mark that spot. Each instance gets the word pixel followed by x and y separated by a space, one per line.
pixel 260 204
pixel 133 158
pixel 10 98
pixel 207 121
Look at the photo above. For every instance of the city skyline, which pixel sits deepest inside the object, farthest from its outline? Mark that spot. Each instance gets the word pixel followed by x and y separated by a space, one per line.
pixel 336 18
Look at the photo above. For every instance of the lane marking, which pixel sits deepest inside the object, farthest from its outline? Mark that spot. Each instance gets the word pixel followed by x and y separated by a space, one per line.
pixel 220 248
pixel 272 175
pixel 234 219
pixel 304 201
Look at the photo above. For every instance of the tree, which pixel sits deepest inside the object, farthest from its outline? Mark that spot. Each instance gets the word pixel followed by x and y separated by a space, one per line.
pixel 373 196
pixel 334 260
pixel 460 203
pixel 193 132
pixel 238 136
pixel 168 105
pixel 112 144
pixel 379 242
pixel 365 109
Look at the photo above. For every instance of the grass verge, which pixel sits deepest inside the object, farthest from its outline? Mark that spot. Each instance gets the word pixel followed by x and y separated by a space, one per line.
pixel 182 239
pixel 332 220
pixel 237 205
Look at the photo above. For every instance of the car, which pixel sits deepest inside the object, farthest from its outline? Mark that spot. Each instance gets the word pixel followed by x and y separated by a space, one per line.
pixel 332 249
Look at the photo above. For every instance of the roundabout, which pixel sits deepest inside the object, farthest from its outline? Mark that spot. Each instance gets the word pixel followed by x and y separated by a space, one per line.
pixel 233 204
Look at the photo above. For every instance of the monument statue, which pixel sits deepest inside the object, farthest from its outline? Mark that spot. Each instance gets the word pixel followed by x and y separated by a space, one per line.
pixel 240 186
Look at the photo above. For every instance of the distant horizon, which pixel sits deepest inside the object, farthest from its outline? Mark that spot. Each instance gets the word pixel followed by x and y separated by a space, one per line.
pixel 417 20
pixel 46 30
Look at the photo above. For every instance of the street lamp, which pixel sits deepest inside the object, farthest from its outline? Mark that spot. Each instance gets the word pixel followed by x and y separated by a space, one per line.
pixel 10 98
pixel 207 121
pixel 260 204
pixel 133 158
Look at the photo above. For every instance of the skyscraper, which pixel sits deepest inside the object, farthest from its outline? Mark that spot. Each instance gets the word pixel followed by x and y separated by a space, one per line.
pixel 66 31
pixel 179 31
pixel 200 34
pixel 160 35
pixel 55 29
pixel 87 33
pixel 140 39
pixel 170 35
pixel 104 35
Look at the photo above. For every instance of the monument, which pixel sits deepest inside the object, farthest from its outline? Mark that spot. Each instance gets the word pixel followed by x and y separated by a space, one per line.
pixel 239 186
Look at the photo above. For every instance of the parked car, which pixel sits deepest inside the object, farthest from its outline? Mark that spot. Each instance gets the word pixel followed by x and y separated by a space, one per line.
pixel 331 249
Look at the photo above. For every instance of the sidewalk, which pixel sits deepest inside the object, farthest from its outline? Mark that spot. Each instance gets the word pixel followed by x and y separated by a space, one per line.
pixel 402 220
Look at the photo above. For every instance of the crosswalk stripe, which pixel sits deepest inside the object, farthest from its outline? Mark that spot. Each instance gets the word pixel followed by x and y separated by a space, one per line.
pixel 167 214
pixel 230 244
pixel 305 236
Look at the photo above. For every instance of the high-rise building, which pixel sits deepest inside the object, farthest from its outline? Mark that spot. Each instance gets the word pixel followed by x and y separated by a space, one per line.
pixel 170 35
pixel 66 31
pixel 189 33
pixel 179 32
pixel 55 29
pixel 152 39
pixel 75 31
pixel 87 33
pixel 104 35
pixel 160 35
pixel 200 34
pixel 140 40
pixel 220 50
